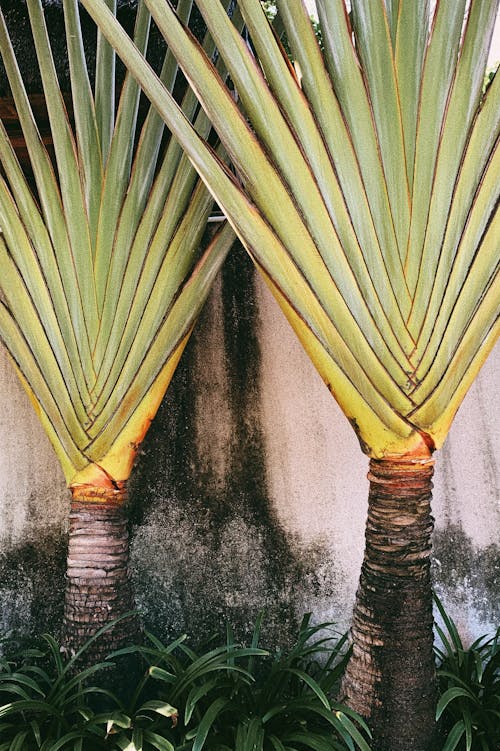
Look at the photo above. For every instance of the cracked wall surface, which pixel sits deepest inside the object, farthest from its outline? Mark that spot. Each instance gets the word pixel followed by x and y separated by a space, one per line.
pixel 250 490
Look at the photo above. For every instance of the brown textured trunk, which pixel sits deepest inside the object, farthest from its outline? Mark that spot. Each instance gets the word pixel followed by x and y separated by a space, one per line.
pixel 390 679
pixel 98 588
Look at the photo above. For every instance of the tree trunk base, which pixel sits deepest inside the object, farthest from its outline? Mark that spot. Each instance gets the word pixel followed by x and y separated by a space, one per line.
pixel 390 679
pixel 98 589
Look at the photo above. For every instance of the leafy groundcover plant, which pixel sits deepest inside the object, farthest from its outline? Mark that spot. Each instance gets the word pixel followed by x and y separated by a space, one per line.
pixel 226 698
pixel 231 697
pixel 469 687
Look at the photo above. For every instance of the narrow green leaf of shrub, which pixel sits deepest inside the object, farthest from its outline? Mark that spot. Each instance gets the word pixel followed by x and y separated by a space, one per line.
pixel 31 705
pixel 13 690
pixel 353 731
pixel 254 736
pixel 240 739
pixel 169 647
pixel 468 731
pixel 207 721
pixel 55 651
pixel 479 664
pixel 480 643
pixel 276 743
pixel 449 653
pixel 123 743
pixel 448 622
pixel 68 667
pixel 35 670
pixel 197 693
pixel 157 741
pixel 117 720
pixel 137 739
pixel 229 637
pixel 18 744
pixel 455 677
pixel 454 736
pixel 450 695
pixel 60 743
pixel 65 692
pixel 98 691
pixel 161 707
pixel 255 639
pixel 312 741
pixel 313 685
pixel 35 729
pixel 348 712
pixel 214 660
pixel 161 675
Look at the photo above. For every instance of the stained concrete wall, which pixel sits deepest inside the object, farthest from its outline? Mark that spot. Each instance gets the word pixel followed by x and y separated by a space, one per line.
pixel 250 490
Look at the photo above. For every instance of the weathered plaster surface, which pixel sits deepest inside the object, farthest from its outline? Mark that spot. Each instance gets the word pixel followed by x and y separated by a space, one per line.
pixel 318 479
pixel 467 508
pixel 250 490
pixel 33 509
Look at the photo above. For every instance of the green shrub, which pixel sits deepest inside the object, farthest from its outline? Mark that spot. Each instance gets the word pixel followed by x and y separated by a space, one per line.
pixel 227 697
pixel 246 699
pixel 45 702
pixel 469 688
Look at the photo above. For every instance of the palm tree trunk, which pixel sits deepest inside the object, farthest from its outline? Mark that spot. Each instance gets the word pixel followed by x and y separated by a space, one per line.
pixel 98 588
pixel 390 678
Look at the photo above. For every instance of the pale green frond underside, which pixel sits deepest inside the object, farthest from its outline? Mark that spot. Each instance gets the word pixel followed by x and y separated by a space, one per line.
pixel 48 192
pixel 24 289
pixel 151 304
pixel 349 217
pixel 103 270
pixel 22 209
pixel 376 55
pixel 409 26
pixel 84 111
pixel 69 454
pixel 347 82
pixel 68 172
pixel 369 215
pixel 171 331
pixel 461 111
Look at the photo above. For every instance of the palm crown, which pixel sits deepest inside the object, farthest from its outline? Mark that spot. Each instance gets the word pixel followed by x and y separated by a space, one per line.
pixel 369 184
pixel 102 276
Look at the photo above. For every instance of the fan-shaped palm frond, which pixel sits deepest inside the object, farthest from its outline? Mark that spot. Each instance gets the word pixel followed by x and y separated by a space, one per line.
pixel 370 187
pixel 102 276
pixel 368 195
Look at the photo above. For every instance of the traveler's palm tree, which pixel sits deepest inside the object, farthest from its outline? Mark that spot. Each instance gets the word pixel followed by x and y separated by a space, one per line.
pixel 101 282
pixel 367 195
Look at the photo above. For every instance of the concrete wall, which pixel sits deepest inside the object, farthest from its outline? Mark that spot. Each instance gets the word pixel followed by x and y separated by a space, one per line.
pixel 250 491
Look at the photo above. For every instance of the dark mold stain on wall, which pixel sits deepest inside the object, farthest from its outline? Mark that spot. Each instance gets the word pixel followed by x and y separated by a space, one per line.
pixel 461 571
pixel 203 554
pixel 32 581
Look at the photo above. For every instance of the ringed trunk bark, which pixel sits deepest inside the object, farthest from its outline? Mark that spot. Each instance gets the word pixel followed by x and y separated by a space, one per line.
pixel 390 679
pixel 98 587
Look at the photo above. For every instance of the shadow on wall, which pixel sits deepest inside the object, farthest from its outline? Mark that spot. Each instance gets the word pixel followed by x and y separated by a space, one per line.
pixel 207 545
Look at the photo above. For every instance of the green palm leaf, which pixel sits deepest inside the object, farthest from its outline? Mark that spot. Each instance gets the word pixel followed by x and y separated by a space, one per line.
pixel 102 272
pixel 368 190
